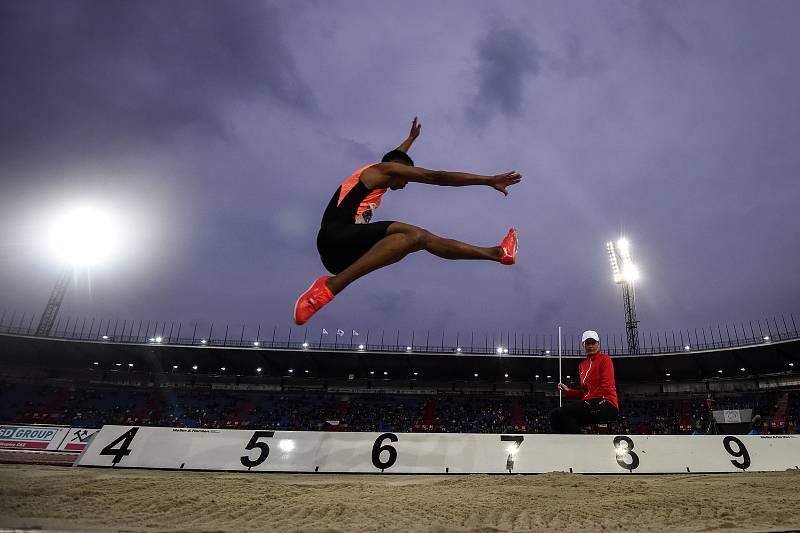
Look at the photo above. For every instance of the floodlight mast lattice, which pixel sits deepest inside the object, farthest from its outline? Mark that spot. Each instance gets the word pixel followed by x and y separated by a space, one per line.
pixel 626 276
pixel 54 303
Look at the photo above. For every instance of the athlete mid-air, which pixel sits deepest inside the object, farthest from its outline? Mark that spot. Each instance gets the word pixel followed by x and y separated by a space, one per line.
pixel 351 246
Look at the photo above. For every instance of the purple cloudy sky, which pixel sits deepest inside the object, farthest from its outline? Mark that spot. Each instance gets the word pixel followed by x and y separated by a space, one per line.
pixel 219 130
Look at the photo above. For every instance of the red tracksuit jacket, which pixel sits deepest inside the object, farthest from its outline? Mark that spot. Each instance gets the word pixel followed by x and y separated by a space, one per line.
pixel 596 373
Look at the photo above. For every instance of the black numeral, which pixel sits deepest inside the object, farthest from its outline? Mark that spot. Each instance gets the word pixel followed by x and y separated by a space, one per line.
pixel 626 450
pixel 512 453
pixel 263 449
pixel 741 452
pixel 124 441
pixel 377 449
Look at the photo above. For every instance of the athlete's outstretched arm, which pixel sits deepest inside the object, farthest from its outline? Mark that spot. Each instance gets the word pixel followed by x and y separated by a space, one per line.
pixel 499 182
pixel 412 136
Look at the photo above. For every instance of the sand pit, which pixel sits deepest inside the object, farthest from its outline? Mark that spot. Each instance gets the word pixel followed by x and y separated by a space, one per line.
pixel 63 498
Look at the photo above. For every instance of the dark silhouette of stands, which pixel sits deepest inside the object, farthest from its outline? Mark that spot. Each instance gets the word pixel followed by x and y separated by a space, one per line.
pixel 95 406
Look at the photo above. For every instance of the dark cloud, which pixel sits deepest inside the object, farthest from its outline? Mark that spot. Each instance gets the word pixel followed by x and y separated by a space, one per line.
pixel 506 57
pixel 85 78
pixel 223 129
pixel 653 25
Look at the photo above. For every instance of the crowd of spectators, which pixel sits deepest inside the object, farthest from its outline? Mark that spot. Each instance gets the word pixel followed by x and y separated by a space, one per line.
pixel 451 413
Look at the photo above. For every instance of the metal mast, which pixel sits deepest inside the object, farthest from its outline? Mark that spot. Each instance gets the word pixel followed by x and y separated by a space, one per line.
pixel 54 303
pixel 631 324
pixel 626 276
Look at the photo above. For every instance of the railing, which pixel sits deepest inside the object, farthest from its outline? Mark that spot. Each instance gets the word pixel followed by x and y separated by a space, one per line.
pixel 509 344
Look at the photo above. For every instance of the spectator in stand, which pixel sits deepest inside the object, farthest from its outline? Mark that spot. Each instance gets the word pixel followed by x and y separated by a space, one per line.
pixel 756 426
pixel 597 392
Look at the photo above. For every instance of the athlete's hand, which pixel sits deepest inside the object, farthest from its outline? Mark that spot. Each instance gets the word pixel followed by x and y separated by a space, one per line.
pixel 563 387
pixel 501 181
pixel 415 127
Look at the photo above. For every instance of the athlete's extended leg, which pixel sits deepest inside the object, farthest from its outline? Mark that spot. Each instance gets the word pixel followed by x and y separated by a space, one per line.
pixel 401 240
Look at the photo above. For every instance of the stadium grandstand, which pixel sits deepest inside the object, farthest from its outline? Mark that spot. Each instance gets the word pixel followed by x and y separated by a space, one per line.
pixel 506 384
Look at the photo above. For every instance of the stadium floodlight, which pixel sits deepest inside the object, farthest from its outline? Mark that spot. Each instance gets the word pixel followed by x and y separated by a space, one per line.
pixel 306 371
pixel 742 369
pixel 105 337
pixel 476 374
pixel 258 369
pixel 118 364
pixel 548 377
pixel 408 348
pixel 626 273
pixel 668 374
pixel 84 235
pixel 96 363
pixel 547 352
pixel 79 237
pixel 130 365
pixel 174 367
pixel 371 372
pixel 537 376
pixel 766 338
pixel 222 368
pixel 256 343
pixel 416 373
pixel 151 339
pixel 506 375
pixel 305 345
pixel 159 339
pixel 719 371
pixel 385 373
pixel 291 370
pixel 612 257
pixel 194 367
pixel 687 348
pixel 360 346
pixel 458 350
pixel 203 341
pixel 499 349
pixel 791 364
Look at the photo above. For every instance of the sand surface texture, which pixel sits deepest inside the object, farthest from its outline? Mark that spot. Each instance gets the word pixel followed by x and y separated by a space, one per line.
pixel 67 499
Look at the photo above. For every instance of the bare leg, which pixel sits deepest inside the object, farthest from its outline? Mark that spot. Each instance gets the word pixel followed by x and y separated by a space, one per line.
pixel 401 240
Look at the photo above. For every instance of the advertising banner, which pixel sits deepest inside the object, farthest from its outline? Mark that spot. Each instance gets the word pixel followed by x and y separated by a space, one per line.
pixel 77 439
pixel 32 437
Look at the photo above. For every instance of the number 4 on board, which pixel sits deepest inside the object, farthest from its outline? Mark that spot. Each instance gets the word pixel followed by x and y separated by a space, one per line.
pixel 124 441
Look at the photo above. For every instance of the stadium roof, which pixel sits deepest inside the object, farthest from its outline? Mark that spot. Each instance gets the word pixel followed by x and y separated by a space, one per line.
pixel 772 357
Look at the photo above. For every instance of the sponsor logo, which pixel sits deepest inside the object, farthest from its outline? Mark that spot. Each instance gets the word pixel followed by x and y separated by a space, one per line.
pixel 27 434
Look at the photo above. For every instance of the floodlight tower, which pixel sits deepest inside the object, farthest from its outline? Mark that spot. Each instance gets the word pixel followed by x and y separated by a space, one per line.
pixel 626 276
pixel 80 237
pixel 54 303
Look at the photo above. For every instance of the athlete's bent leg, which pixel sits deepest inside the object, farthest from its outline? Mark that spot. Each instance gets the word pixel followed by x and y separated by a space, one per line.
pixel 401 240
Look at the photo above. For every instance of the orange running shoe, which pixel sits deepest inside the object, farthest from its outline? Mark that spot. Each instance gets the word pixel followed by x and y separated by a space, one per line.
pixel 509 248
pixel 311 301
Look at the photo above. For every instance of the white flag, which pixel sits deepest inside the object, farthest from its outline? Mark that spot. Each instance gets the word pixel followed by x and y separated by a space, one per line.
pixel 355 332
pixel 339 332
pixel 324 331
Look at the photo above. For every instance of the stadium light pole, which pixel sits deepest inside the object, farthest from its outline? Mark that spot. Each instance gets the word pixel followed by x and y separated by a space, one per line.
pixel 626 275
pixel 80 237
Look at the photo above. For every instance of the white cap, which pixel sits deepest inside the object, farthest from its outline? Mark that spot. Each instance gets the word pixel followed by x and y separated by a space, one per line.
pixel 589 334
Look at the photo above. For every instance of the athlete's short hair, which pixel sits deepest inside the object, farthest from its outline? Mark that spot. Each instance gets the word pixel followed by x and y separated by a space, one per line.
pixel 397 155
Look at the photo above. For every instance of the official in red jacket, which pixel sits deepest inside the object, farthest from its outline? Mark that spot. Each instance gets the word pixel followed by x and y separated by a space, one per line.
pixel 597 392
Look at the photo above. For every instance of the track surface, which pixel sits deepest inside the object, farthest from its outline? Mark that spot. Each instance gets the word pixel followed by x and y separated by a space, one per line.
pixel 66 499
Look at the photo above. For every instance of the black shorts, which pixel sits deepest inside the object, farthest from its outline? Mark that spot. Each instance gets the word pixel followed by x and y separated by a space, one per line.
pixel 340 245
